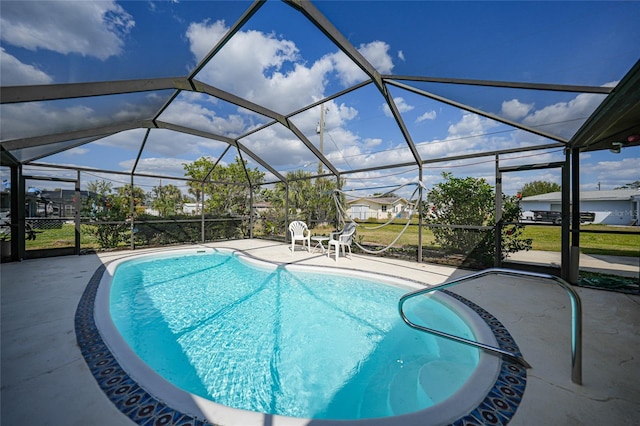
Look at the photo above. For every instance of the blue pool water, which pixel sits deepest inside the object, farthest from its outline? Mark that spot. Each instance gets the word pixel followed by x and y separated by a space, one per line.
pixel 294 344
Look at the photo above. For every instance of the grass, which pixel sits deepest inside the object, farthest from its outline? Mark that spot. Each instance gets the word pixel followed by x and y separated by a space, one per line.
pixel 548 238
pixel 60 238
pixel 545 238
pixel 384 236
pixel 622 245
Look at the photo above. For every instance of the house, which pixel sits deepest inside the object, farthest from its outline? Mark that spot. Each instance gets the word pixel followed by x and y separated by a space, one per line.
pixel 615 207
pixel 377 208
pixel 55 203
pixel 191 208
pixel 261 207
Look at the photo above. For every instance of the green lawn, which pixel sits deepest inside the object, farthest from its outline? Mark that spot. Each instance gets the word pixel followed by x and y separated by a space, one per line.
pixel 544 238
pixel 548 238
pixel 60 238
pixel 384 236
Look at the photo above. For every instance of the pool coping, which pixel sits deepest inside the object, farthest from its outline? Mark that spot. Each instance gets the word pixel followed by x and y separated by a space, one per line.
pixel 127 382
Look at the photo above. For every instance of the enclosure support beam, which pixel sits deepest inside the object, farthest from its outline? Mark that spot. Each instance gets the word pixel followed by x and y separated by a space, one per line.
pixel 420 218
pixel 325 25
pixel 20 218
pixel 250 211
pixel 286 211
pixel 16 202
pixel 479 111
pixel 104 131
pixel 78 207
pixel 603 90
pixel 498 219
pixel 575 217
pixel 201 213
pixel 339 188
pixel 131 214
pixel 566 215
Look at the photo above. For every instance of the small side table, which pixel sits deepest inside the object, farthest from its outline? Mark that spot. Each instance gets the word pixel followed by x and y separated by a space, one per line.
pixel 319 240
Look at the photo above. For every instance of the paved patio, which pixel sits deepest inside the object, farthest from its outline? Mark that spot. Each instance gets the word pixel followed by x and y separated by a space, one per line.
pixel 45 380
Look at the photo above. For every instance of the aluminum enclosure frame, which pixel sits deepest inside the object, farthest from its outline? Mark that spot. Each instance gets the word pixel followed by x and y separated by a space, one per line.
pixel 617 116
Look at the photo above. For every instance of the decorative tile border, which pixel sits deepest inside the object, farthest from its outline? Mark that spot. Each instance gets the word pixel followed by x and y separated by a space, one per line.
pixel 132 400
pixel 497 408
pixel 502 401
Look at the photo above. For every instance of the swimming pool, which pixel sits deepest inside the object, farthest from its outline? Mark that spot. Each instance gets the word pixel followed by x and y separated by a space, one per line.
pixel 346 377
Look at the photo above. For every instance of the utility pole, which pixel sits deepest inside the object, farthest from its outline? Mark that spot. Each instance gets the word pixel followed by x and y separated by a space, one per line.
pixel 320 131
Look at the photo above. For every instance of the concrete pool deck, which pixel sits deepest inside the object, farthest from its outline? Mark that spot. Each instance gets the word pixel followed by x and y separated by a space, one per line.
pixel 45 379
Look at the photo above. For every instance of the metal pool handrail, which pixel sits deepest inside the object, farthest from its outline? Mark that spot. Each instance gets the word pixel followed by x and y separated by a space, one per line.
pixel 576 316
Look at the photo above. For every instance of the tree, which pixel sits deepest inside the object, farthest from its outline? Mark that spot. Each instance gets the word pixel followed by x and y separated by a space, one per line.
pixel 386 194
pixel 471 202
pixel 538 187
pixel 227 187
pixel 323 206
pixel 300 194
pixel 167 199
pixel 313 200
pixel 121 201
pixel 197 170
pixel 632 185
pixel 103 205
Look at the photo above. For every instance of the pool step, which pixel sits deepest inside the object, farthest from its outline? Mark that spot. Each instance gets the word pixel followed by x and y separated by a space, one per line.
pixel 396 390
pixel 405 393
pixel 441 379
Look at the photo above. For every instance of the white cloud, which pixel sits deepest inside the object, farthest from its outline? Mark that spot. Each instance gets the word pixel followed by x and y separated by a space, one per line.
pixel 76 151
pixel 470 134
pixel 470 125
pixel 272 142
pixel 269 70
pixel 129 139
pixel 87 28
pixel 515 110
pixel 195 115
pixel 346 113
pixel 565 118
pixel 160 166
pixel 14 73
pixel 610 174
pixel 377 53
pixel 163 142
pixel 372 142
pixel 429 115
pixel 401 55
pixel 18 119
pixel 144 107
pixel 347 71
pixel 264 68
pixel 401 104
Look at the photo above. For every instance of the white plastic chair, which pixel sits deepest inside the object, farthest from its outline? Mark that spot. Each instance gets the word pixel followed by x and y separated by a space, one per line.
pixel 342 240
pixel 299 232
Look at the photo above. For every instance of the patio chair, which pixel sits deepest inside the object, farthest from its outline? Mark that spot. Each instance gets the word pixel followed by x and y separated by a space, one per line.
pixel 342 239
pixel 299 232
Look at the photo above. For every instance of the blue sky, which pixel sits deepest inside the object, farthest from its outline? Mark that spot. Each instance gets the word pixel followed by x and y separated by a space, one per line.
pixel 283 62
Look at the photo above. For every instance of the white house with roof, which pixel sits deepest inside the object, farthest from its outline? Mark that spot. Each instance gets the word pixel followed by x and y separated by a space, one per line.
pixel 383 208
pixel 614 207
pixel 261 207
pixel 192 208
